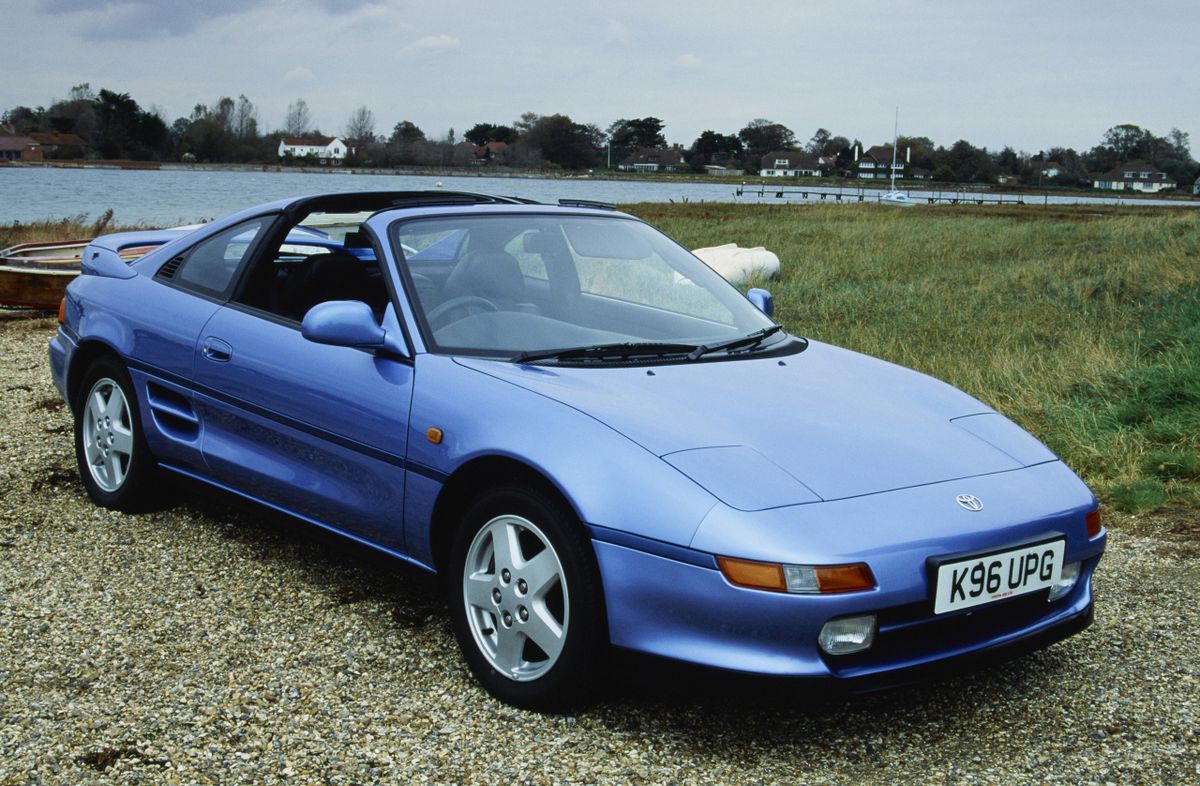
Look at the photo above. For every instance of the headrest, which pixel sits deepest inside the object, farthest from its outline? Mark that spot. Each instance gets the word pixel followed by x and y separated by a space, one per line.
pixel 356 240
pixel 495 275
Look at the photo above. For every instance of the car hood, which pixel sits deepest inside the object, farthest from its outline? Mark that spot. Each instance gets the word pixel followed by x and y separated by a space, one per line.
pixel 823 424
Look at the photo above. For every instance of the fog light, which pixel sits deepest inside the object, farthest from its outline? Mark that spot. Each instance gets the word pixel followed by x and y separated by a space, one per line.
pixel 1066 582
pixel 848 635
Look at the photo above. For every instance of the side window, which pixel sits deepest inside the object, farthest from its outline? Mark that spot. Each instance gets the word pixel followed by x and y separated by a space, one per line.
pixel 313 265
pixel 532 264
pixel 649 281
pixel 211 266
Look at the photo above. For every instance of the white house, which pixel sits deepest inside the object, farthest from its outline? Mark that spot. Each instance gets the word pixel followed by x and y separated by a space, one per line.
pixel 326 149
pixel 1135 176
pixel 654 159
pixel 789 163
pixel 876 162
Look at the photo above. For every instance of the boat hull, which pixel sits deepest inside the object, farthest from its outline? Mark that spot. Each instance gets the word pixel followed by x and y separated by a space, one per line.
pixel 897 198
pixel 22 287
pixel 35 275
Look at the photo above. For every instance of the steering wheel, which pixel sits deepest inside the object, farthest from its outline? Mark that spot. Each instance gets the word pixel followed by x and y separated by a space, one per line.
pixel 443 314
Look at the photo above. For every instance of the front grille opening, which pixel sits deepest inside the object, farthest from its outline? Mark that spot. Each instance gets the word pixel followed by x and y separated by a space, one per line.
pixel 912 633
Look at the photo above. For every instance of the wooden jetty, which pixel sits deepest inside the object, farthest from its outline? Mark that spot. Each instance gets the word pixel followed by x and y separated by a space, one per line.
pixel 764 190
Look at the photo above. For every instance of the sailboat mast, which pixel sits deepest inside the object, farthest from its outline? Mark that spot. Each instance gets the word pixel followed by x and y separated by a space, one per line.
pixel 895 144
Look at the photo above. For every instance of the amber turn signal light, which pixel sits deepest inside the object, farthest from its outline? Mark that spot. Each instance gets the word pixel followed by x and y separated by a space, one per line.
pixel 798 579
pixel 756 575
pixel 1093 523
pixel 62 310
pixel 845 578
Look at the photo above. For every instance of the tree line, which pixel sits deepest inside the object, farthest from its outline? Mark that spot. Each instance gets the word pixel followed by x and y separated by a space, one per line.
pixel 114 126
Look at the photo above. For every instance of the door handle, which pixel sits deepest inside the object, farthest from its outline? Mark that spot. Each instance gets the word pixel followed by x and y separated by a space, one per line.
pixel 217 350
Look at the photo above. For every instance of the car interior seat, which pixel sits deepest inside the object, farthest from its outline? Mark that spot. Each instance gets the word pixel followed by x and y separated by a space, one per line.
pixel 332 276
pixel 493 275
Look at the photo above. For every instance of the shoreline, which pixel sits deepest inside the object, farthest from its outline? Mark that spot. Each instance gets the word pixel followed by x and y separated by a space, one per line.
pixel 810 184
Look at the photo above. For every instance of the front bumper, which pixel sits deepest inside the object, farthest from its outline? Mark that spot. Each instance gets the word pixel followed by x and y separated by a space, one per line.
pixel 689 612
pixel 62 347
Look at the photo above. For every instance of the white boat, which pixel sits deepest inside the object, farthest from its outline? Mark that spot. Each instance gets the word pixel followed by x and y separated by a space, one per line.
pixel 894 196
pixel 737 264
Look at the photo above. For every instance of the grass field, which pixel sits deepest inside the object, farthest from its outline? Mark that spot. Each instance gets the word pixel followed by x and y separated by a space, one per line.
pixel 1083 326
pixel 57 229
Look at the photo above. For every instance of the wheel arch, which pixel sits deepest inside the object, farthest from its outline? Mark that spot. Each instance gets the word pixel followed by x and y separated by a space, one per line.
pixel 87 353
pixel 468 482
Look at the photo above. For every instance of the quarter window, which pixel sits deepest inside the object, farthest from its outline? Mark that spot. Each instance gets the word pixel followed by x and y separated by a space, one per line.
pixel 211 266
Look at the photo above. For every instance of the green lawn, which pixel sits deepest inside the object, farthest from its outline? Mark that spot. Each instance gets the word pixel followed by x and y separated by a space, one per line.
pixel 1082 324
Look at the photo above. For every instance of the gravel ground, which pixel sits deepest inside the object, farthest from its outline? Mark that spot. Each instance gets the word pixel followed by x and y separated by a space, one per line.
pixel 215 643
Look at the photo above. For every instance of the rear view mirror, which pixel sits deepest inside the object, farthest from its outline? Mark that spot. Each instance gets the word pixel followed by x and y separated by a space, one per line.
pixel 351 323
pixel 762 300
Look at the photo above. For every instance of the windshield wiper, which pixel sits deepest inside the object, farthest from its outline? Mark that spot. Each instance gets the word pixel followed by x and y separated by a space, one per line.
pixel 605 352
pixel 742 342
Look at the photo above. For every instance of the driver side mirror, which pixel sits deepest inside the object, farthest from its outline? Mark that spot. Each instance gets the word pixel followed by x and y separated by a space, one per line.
pixel 351 323
pixel 762 300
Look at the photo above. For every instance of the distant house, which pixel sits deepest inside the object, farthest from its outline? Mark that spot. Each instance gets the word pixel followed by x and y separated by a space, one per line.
pixel 1135 176
pixel 1007 180
pixel 495 152
pixel 326 149
pixel 19 148
pixel 789 163
pixel 916 173
pixel 654 159
pixel 827 161
pixel 876 162
pixel 56 145
pixel 1052 169
pixel 1196 186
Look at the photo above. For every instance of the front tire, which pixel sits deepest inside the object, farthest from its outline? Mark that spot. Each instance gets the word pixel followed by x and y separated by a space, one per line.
pixel 114 463
pixel 526 600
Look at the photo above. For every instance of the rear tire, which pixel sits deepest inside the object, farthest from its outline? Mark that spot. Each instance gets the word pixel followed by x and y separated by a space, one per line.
pixel 115 465
pixel 526 600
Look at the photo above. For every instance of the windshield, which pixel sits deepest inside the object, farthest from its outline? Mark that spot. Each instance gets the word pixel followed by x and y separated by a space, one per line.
pixel 531 287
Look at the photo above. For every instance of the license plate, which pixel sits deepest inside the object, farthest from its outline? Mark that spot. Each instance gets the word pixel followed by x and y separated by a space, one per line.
pixel 974 581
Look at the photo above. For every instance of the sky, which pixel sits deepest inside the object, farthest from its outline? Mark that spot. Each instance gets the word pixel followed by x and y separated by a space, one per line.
pixel 1030 74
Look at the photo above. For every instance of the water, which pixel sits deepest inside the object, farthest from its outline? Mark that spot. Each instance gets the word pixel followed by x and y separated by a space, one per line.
pixel 175 196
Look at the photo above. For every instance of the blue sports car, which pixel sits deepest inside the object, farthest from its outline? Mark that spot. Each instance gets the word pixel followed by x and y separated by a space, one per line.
pixel 591 436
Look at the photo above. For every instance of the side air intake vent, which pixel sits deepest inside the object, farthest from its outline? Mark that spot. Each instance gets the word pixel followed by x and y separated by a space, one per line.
pixel 168 270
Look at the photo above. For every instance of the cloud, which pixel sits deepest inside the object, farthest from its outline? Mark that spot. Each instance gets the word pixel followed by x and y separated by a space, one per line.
pixel 616 31
pixel 298 74
pixel 689 62
pixel 431 43
pixel 358 18
pixel 138 19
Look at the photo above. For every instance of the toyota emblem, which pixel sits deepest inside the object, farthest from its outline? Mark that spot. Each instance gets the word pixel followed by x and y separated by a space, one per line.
pixel 970 502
